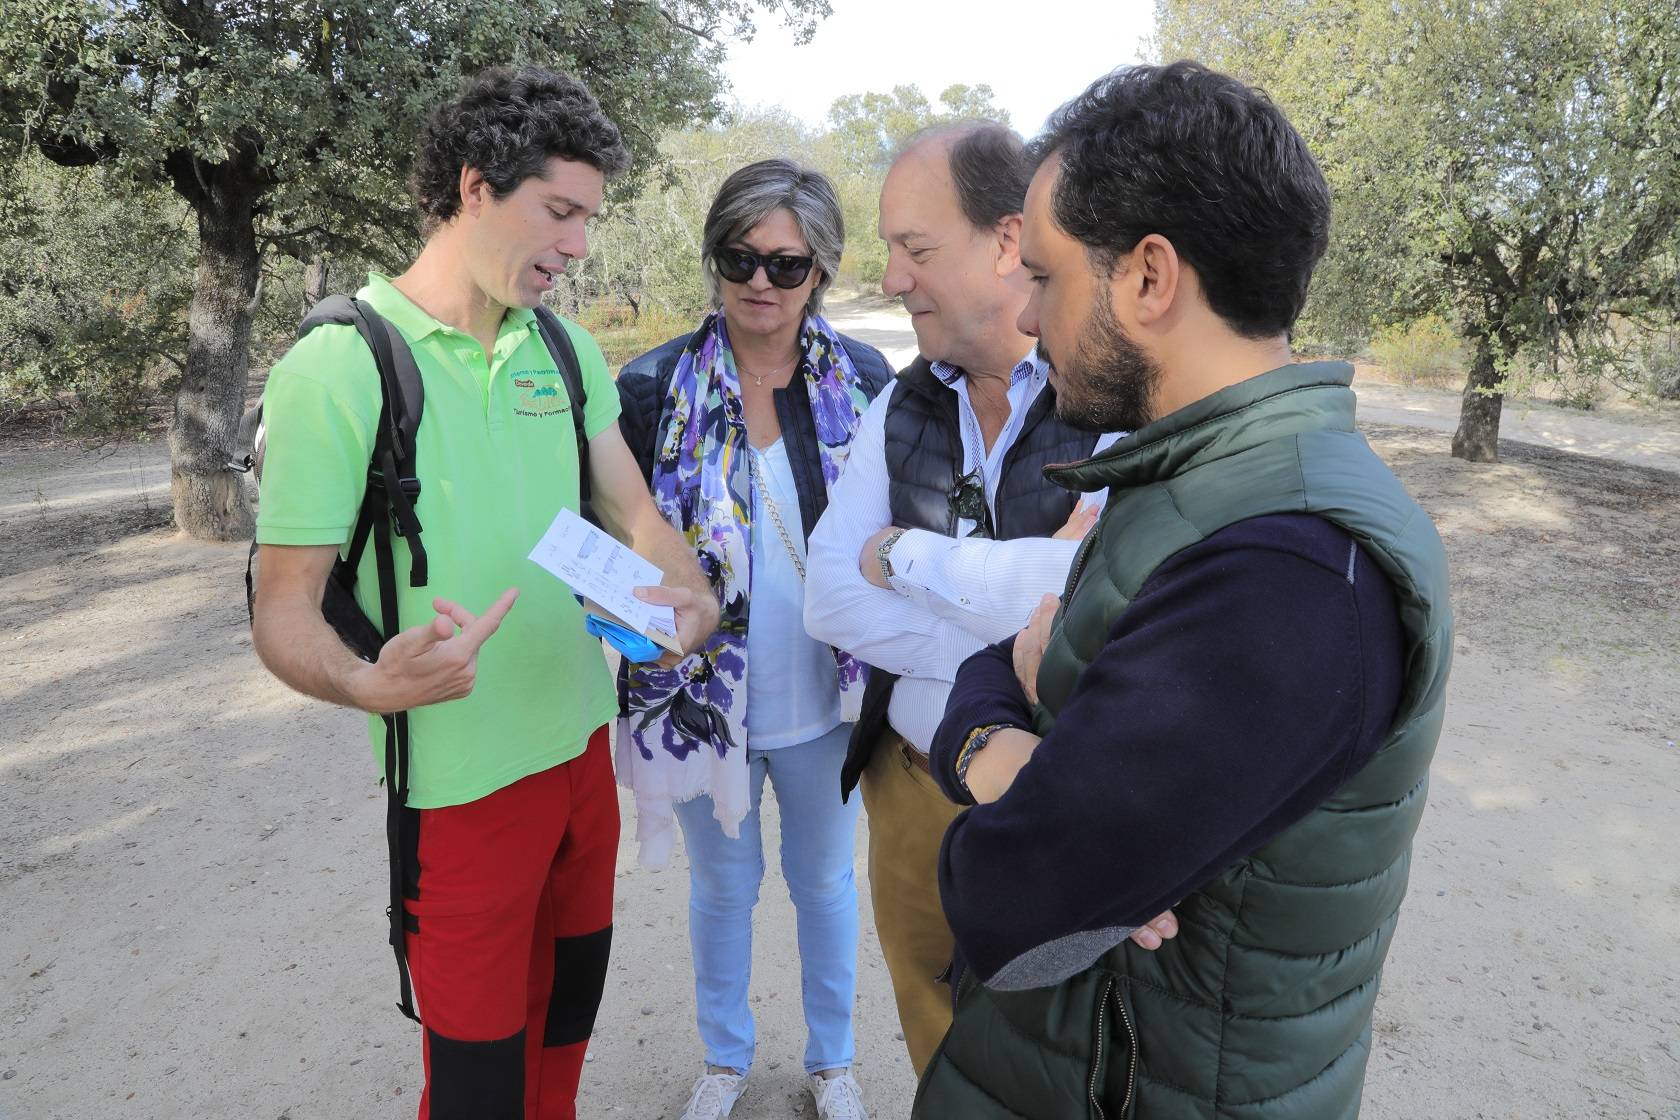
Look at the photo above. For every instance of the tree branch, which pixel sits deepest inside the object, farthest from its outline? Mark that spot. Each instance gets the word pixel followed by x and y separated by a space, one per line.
pixel 69 151
pixel 182 168
pixel 708 34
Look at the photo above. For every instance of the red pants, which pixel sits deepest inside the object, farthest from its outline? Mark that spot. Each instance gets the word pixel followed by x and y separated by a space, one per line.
pixel 510 928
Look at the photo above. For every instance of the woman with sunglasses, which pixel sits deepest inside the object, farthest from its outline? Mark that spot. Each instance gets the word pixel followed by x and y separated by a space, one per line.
pixel 741 427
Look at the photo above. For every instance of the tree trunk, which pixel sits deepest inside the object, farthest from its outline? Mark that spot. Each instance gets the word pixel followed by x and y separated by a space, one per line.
pixel 210 499
pixel 314 282
pixel 1477 438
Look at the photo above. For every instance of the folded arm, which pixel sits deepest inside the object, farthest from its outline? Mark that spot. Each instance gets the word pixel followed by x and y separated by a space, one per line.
pixel 845 610
pixel 1226 704
pixel 986 587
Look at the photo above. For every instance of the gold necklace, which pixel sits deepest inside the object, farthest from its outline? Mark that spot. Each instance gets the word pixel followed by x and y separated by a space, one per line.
pixel 759 381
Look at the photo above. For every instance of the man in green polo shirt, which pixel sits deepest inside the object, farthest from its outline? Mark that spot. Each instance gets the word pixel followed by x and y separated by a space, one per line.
pixel 512 817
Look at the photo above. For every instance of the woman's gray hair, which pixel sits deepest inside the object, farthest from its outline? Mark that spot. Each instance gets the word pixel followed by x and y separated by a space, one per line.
pixel 760 189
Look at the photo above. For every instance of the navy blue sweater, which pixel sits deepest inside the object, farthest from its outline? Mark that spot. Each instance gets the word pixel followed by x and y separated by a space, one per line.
pixel 1255 672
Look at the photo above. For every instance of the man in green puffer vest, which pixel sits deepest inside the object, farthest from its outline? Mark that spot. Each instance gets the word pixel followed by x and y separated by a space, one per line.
pixel 1234 708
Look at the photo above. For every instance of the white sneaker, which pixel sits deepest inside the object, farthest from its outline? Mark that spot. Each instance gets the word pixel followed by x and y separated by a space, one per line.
pixel 838 1098
pixel 714 1095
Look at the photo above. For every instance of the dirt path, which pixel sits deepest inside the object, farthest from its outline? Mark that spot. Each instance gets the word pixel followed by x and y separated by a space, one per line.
pixel 1627 436
pixel 1619 436
pixel 191 856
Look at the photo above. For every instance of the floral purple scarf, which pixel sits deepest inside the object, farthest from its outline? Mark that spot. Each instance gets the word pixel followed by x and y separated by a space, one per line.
pixel 685 730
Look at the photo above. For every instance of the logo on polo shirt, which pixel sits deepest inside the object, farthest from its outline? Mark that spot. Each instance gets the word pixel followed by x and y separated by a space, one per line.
pixel 541 393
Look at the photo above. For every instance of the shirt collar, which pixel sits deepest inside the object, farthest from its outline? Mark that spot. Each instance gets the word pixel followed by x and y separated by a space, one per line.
pixel 1030 366
pixel 407 316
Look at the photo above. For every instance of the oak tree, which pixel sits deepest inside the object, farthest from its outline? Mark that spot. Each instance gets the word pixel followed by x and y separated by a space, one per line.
pixel 287 126
pixel 1515 165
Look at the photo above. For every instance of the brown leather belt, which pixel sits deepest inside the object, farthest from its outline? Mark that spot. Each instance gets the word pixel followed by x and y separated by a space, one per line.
pixel 913 756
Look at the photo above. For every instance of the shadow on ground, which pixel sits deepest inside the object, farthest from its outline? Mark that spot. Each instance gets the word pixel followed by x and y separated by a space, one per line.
pixel 191 877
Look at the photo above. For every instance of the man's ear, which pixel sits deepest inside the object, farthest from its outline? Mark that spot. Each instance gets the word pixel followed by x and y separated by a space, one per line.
pixel 1150 280
pixel 475 191
pixel 1007 233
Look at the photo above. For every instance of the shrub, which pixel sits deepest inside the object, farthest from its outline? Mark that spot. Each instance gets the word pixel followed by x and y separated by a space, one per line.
pixel 94 285
pixel 1425 350
pixel 865 258
pixel 1659 366
pixel 623 334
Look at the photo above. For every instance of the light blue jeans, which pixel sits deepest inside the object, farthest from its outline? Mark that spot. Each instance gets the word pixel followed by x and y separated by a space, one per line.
pixel 818 835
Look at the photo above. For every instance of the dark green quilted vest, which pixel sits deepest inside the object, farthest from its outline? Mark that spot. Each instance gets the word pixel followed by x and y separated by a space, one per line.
pixel 1261 1007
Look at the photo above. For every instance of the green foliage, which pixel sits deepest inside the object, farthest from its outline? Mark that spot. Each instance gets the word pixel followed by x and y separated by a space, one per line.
pixel 288 127
pixel 1659 364
pixel 624 333
pixel 94 280
pixel 1426 350
pixel 321 133
pixel 324 105
pixel 645 251
pixel 867 128
pixel 865 259
pixel 1511 165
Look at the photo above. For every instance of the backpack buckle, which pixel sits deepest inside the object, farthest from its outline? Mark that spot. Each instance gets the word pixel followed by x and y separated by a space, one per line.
pixel 402 520
pixel 408 484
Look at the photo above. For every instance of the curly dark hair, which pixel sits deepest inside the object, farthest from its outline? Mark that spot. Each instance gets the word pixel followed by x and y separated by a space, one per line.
pixel 1208 163
pixel 507 124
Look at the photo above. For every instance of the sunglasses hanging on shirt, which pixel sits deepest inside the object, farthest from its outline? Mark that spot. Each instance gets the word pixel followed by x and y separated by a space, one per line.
pixel 968 501
pixel 738 266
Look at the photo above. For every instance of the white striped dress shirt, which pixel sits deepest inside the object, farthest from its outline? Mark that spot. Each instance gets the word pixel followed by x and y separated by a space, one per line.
pixel 951 595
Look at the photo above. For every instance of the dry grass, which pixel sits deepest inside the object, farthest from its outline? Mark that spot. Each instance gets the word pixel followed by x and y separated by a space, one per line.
pixel 624 335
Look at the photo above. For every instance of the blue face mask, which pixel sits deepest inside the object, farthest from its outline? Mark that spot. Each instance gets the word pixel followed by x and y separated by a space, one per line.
pixel 634 646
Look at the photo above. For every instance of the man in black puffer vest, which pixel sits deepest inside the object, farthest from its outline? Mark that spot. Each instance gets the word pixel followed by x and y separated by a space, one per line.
pixel 939 537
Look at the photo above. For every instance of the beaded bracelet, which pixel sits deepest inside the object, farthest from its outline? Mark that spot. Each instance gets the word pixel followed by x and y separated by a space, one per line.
pixel 977 739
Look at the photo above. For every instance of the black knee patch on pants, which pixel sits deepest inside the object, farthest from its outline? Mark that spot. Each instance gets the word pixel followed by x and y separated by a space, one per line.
pixel 476 1080
pixel 580 975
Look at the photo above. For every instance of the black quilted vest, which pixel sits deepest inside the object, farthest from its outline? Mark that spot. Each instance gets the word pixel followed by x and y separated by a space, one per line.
pixel 924 454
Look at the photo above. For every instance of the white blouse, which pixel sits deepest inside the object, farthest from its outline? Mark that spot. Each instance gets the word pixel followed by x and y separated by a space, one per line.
pixel 793 694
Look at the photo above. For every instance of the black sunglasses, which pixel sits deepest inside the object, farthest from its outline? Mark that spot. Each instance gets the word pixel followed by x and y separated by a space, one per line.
pixel 738 265
pixel 968 501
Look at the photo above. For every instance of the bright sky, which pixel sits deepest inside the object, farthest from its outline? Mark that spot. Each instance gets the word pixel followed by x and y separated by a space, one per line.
pixel 1035 54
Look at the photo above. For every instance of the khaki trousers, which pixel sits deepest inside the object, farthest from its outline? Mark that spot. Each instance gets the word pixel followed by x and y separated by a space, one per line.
pixel 908 816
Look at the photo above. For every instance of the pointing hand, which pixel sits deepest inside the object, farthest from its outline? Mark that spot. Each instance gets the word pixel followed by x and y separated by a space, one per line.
pixel 432 662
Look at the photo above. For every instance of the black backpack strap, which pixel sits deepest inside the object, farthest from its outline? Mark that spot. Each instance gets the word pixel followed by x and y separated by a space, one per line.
pixel 388 506
pixel 560 348
pixel 401 835
pixel 393 457
pixel 392 474
pixel 392 479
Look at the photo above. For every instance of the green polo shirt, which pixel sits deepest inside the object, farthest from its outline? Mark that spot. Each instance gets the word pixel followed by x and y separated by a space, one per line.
pixel 497 459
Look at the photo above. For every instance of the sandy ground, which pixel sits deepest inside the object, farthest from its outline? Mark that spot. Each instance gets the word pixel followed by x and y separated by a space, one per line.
pixel 191 858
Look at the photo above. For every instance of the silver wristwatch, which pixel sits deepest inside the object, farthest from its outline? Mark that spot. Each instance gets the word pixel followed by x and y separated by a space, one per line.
pixel 883 553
